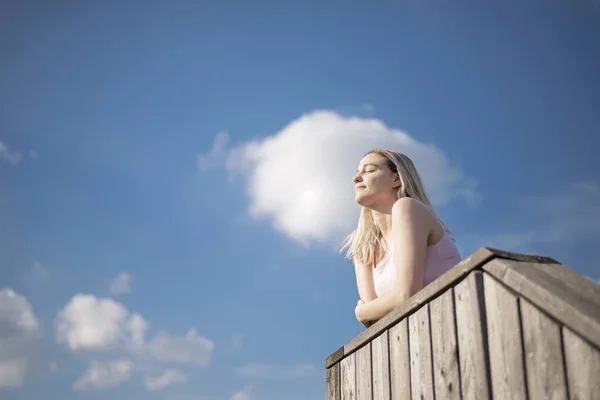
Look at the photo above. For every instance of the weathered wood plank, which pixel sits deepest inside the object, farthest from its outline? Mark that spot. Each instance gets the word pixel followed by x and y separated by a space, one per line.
pixel 575 281
pixel 543 354
pixel 504 341
pixel 334 357
pixel 348 377
pixel 583 367
pixel 400 360
pixel 364 378
pixel 472 337
pixel 569 306
pixel 444 348
pixel 421 377
pixel 381 367
pixel 334 384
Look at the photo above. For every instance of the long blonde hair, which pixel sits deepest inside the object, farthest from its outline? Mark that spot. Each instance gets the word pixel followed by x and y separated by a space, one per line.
pixel 367 239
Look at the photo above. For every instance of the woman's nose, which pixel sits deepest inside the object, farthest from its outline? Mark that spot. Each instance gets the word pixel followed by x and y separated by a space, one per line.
pixel 356 179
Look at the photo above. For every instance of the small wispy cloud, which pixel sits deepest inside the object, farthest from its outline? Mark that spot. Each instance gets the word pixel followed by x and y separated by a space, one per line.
pixel 237 340
pixel 104 375
pixel 272 371
pixel 169 377
pixel 561 217
pixel 121 284
pixel 244 394
pixel 9 156
pixel 217 154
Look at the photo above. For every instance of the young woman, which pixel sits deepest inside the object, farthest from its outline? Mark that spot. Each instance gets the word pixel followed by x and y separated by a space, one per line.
pixel 399 245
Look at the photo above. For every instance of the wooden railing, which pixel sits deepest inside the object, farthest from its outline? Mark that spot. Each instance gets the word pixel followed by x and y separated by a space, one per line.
pixel 498 325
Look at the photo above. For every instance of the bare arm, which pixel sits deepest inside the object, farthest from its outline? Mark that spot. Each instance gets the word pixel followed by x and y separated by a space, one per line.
pixel 364 282
pixel 411 225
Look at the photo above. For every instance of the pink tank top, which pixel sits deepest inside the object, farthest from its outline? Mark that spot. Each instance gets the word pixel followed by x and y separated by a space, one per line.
pixel 440 257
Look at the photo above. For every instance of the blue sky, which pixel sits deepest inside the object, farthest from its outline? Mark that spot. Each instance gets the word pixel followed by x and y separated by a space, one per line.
pixel 174 179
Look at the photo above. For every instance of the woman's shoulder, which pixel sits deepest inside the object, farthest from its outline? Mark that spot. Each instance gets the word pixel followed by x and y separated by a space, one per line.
pixel 408 205
pixel 414 210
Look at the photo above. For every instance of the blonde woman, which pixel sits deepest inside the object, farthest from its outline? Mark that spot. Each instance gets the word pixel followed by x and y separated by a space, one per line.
pixel 399 245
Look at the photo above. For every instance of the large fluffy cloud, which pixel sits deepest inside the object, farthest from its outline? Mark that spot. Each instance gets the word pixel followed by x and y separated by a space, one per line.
pixel 20 332
pixel 300 178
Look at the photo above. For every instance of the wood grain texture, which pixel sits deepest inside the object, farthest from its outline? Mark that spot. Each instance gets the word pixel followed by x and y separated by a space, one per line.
pixel 543 354
pixel 348 377
pixel 364 378
pixel 472 337
pixel 381 367
pixel 334 384
pixel 583 367
pixel 444 347
pixel 400 360
pixel 572 307
pixel 421 377
pixel 507 371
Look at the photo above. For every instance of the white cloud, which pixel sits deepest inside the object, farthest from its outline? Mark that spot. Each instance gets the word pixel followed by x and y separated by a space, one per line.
pixel 102 324
pixel 20 332
pixel 104 375
pixel 244 394
pixel 91 323
pixel 9 156
pixel 189 349
pixel 562 217
pixel 121 283
pixel 270 371
pixel 169 377
pixel 300 178
pixel 217 154
pixel 237 339
pixel 38 271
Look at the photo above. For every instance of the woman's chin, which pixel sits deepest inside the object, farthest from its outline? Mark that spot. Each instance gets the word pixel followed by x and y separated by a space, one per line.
pixel 361 200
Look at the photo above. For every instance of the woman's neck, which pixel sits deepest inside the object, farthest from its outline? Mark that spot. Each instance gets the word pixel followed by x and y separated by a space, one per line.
pixel 383 220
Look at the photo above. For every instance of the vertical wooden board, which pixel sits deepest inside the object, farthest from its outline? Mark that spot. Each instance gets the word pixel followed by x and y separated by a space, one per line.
pixel 334 382
pixel 543 354
pixel 399 360
pixel 421 378
pixel 504 341
pixel 583 367
pixel 381 367
pixel 348 377
pixel 472 337
pixel 444 349
pixel 364 388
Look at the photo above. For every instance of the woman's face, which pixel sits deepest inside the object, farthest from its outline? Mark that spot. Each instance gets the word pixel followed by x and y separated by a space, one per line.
pixel 374 182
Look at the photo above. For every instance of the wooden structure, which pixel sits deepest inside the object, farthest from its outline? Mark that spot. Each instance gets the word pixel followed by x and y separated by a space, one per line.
pixel 497 326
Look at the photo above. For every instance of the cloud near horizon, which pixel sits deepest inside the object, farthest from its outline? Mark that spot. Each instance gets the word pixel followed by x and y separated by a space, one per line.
pixel 300 178
pixel 20 333
pixel 562 217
